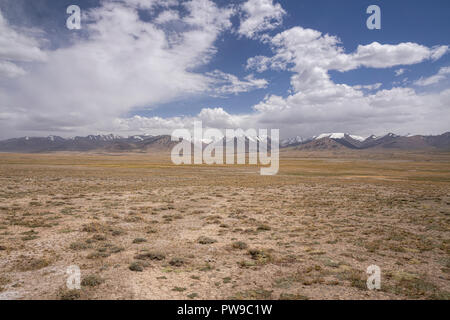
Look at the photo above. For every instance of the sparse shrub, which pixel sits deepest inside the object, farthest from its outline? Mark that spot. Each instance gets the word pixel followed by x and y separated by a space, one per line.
pixel 3 281
pixel 207 267
pixel 150 256
pixel 177 262
pixel 115 249
pixel 372 246
pixel 99 237
pixel 28 238
pixel 258 294
pixel 30 235
pixel 290 296
pixel 241 245
pixel 93 227
pixel 263 227
pixel 33 264
pixel 246 264
pixel 415 286
pixel 136 266
pixel 261 256
pixel 356 279
pixel 69 294
pixel 92 281
pixel 226 280
pixel 98 255
pixel 179 289
pixel 116 233
pixel 206 240
pixel 80 246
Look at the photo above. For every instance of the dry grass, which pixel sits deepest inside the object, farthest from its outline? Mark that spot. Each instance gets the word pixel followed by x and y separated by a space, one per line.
pixel 141 228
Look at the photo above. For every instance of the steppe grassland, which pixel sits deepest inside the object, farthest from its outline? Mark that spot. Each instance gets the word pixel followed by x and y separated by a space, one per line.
pixel 140 227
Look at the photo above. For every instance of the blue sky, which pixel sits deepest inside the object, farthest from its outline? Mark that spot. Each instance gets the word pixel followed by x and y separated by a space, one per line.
pixel 299 97
pixel 402 21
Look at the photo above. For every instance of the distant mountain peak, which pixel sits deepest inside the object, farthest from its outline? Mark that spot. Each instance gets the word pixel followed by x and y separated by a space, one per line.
pixel 143 143
pixel 392 135
pixel 338 135
pixel 388 141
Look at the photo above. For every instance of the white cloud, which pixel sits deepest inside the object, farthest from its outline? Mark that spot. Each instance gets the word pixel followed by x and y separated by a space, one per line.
pixel 399 109
pixel 10 70
pixel 260 63
pixel 146 124
pixel 146 4
pixel 438 52
pixel 205 14
pixel 442 74
pixel 210 117
pixel 399 72
pixel 123 63
pixel 376 55
pixel 374 86
pixel 17 47
pixel 167 16
pixel 306 49
pixel 258 16
pixel 225 83
pixel 219 118
pixel 319 104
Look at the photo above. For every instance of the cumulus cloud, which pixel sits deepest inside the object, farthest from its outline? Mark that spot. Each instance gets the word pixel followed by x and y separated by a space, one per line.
pixel 305 49
pixel 167 16
pixel 374 86
pixel 259 16
pixel 318 103
pixel 398 109
pixel 227 83
pixel 10 70
pixel 210 117
pixel 17 47
pixel 146 4
pixel 442 74
pixel 376 55
pixel 124 62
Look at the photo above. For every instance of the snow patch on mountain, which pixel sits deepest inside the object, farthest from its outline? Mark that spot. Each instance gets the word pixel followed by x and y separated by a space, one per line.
pixel 338 135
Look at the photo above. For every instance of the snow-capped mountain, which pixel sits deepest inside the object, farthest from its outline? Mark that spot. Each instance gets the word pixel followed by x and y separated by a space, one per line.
pixel 347 139
pixel 338 136
pixel 250 143
pixel 91 142
pixel 108 137
pixel 390 140
pixel 143 143
pixel 292 141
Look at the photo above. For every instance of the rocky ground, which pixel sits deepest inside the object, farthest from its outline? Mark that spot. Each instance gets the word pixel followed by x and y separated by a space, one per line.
pixel 139 227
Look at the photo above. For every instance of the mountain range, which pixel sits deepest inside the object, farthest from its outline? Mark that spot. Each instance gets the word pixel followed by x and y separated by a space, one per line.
pixel 108 143
pixel 329 141
pixel 148 143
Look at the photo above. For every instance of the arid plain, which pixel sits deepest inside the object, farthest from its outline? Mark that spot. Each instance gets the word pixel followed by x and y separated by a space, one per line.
pixel 140 227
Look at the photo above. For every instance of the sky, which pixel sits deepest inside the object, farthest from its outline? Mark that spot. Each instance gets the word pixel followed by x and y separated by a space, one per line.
pixel 305 67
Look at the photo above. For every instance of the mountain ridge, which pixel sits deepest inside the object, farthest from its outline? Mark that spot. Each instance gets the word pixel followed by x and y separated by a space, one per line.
pixel 388 141
pixel 148 143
